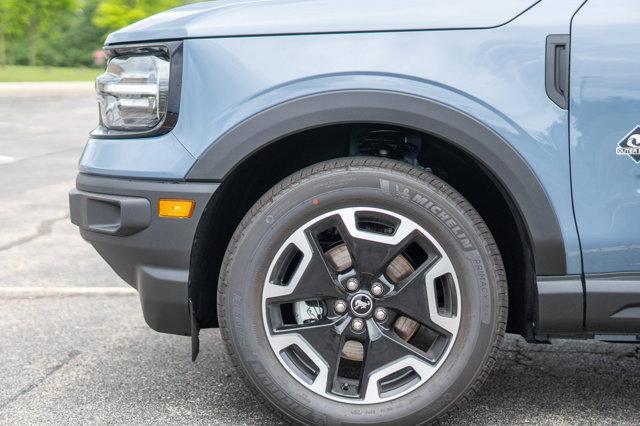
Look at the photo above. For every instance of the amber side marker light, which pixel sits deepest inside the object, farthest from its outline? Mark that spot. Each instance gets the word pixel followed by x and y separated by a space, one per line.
pixel 177 209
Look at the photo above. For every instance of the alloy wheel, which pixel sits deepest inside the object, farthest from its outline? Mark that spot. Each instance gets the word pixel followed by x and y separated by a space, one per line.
pixel 361 305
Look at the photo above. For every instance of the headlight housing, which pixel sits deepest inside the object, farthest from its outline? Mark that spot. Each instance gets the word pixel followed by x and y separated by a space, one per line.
pixel 139 93
pixel 132 93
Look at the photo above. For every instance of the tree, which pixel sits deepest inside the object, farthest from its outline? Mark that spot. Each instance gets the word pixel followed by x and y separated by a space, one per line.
pixel 12 24
pixel 74 40
pixel 112 15
pixel 43 15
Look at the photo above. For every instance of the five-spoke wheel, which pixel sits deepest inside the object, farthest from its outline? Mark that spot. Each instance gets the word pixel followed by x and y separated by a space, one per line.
pixel 361 304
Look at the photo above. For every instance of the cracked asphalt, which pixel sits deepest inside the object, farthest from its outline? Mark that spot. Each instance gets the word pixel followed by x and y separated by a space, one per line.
pixel 75 349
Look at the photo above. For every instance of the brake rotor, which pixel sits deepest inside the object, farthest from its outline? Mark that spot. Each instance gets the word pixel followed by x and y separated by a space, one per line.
pixel 405 328
pixel 399 269
pixel 339 257
pixel 352 350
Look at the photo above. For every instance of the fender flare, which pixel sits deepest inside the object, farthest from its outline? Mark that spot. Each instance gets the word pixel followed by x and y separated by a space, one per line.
pixel 400 109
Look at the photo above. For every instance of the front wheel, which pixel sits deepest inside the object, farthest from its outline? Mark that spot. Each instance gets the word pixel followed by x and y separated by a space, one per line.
pixel 363 290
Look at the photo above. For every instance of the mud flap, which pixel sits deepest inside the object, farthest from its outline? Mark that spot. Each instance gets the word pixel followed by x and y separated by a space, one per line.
pixel 195 333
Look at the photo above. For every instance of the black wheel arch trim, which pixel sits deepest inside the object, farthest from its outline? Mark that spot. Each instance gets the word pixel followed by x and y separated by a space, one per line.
pixel 422 114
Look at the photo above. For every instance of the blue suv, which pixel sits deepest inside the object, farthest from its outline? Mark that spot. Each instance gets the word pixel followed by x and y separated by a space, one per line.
pixel 364 196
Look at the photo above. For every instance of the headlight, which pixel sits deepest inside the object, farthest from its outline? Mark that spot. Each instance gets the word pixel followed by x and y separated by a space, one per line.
pixel 133 92
pixel 138 94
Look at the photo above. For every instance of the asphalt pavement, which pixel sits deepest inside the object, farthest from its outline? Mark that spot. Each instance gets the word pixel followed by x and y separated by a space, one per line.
pixel 75 349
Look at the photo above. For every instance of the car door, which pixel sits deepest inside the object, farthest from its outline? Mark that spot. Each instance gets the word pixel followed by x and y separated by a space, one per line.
pixel 605 159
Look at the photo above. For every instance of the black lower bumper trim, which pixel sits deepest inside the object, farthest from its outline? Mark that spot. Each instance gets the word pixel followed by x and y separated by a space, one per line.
pixel 119 217
pixel 613 303
pixel 560 306
pixel 612 306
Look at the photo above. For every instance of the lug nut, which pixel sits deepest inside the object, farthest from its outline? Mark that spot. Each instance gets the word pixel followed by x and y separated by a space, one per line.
pixel 352 284
pixel 340 307
pixel 377 289
pixel 357 325
pixel 380 314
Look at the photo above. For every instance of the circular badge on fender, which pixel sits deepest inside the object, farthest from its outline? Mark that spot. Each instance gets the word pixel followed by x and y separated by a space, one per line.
pixel 362 305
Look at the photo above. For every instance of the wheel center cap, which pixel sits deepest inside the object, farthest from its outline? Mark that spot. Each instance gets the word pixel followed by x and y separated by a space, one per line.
pixel 361 305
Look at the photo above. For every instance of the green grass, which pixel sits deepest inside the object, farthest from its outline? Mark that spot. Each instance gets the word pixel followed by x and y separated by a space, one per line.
pixel 18 73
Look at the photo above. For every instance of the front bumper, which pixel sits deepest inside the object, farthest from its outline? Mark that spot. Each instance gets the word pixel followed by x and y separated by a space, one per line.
pixel 119 217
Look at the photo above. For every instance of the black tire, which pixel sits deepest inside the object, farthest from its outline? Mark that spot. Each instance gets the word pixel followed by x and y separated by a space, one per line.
pixel 373 182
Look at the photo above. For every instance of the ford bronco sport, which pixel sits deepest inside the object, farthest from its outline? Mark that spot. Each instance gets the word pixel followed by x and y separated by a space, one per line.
pixel 365 195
